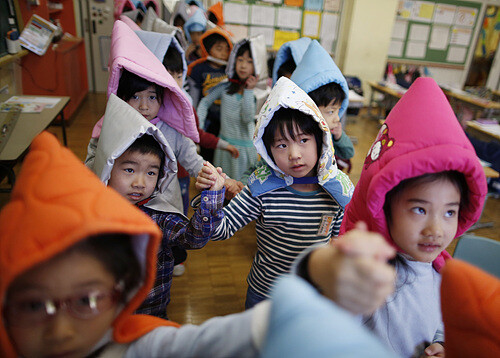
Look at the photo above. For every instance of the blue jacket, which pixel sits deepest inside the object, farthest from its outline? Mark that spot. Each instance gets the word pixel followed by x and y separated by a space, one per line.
pixel 316 69
pixel 292 49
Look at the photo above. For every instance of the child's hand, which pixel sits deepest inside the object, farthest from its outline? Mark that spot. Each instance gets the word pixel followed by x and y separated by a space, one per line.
pixel 336 130
pixel 353 272
pixel 235 153
pixel 251 82
pixel 434 350
pixel 233 187
pixel 210 178
pixel 190 49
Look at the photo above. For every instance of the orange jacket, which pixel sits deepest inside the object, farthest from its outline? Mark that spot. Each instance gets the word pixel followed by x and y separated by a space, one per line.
pixel 56 203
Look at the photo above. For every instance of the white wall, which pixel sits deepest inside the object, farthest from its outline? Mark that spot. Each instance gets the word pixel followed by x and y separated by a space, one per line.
pixel 368 39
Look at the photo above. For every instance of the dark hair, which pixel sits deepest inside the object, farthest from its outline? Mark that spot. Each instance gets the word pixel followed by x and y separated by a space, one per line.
pixel 323 95
pixel 116 254
pixel 179 21
pixel 212 17
pixel 147 144
pixel 130 84
pixel 213 39
pixel 233 86
pixel 287 68
pixel 453 176
pixel 173 60
pixel 285 120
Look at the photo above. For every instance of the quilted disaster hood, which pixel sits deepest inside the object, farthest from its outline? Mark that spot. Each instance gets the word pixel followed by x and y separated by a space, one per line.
pixel 128 52
pixel 56 203
pixel 421 135
pixel 258 53
pixel 292 49
pixel 163 27
pixel 287 94
pixel 196 22
pixel 317 69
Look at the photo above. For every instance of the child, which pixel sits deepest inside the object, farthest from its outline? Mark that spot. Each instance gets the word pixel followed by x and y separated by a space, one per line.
pixel 320 77
pixel 139 79
pixel 297 198
pixel 237 108
pixel 288 57
pixel 194 28
pixel 207 72
pixel 421 186
pixel 134 158
pixel 77 260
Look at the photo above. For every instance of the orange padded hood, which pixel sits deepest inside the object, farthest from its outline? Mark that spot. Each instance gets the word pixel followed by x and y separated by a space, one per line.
pixel 58 202
pixel 204 51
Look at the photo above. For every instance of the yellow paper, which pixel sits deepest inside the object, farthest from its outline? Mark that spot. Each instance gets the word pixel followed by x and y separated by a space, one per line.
pixel 280 37
pixel 426 11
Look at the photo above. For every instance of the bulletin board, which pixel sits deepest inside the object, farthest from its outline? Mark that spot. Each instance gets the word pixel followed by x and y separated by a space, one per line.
pixel 439 32
pixel 281 21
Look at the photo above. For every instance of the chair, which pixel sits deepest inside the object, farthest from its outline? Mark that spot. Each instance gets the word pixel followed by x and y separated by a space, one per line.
pixel 479 251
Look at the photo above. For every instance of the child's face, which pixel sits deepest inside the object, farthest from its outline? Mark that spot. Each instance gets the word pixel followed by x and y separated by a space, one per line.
pixel 135 175
pixel 244 66
pixel 425 219
pixel 195 37
pixel 146 103
pixel 331 113
pixel 75 275
pixel 177 76
pixel 220 50
pixel 298 157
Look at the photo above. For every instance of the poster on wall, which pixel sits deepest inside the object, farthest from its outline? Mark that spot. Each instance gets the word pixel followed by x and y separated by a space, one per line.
pixel 290 18
pixel 444 14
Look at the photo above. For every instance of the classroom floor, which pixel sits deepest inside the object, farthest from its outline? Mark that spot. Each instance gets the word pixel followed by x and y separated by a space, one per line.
pixel 215 279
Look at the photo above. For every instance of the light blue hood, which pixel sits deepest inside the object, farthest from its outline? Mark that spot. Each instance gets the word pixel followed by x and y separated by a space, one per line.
pixel 159 43
pixel 197 22
pixel 270 177
pixel 292 49
pixel 316 69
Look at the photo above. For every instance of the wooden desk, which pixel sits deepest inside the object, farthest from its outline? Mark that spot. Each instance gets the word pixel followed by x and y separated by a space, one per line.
pixel 27 127
pixel 484 132
pixel 391 96
pixel 477 104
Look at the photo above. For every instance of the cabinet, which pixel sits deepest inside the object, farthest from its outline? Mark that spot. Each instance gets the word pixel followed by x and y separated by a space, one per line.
pixel 62 71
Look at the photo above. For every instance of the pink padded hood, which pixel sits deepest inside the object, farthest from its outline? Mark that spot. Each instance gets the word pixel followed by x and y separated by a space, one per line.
pixel 421 135
pixel 128 52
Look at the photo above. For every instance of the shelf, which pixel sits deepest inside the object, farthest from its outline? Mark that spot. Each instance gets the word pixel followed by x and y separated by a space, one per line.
pixel 5 60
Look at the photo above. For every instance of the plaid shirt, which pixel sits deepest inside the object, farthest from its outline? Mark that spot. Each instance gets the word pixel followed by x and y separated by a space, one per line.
pixel 177 231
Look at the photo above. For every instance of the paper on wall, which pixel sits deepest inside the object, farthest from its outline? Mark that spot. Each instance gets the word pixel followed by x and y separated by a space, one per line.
pixel 419 32
pixel 395 48
pixel 465 16
pixel 331 5
pixel 399 29
pixel 444 14
pixel 316 5
pixel 439 37
pixel 298 3
pixel 422 11
pixel 310 25
pixel 239 31
pixel 456 54
pixel 405 9
pixel 280 37
pixel 328 34
pixel 268 33
pixel 236 13
pixel 415 49
pixel 290 18
pixel 262 15
pixel 460 36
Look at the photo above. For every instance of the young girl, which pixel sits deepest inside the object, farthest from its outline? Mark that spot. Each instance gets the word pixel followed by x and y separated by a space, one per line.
pixel 421 186
pixel 78 259
pixel 298 198
pixel 237 114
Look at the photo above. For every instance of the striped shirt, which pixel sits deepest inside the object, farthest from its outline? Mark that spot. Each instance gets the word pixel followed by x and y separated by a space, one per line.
pixel 287 222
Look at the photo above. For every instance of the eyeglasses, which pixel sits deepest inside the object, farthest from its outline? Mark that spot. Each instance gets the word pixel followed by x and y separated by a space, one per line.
pixel 86 305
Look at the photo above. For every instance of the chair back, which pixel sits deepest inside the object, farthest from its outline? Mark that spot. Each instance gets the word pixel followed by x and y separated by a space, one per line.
pixel 479 251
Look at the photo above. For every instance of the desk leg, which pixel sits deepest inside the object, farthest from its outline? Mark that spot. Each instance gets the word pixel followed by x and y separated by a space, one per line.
pixel 63 126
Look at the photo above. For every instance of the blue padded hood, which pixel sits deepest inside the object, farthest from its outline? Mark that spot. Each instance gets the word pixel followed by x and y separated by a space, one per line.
pixel 316 69
pixel 292 49
pixel 197 22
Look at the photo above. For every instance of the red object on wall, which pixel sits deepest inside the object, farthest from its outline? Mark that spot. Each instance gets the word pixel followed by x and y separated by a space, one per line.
pixel 62 70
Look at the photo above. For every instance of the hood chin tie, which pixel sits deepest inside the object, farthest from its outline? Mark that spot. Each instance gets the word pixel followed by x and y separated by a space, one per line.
pixel 234 80
pixel 306 180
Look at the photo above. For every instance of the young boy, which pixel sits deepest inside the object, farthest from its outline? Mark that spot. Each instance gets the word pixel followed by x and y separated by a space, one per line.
pixel 297 198
pixel 206 73
pixel 134 158
pixel 77 260
pixel 320 77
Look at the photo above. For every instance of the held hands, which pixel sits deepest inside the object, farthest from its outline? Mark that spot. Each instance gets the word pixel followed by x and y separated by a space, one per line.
pixel 434 350
pixel 233 187
pixel 251 82
pixel 210 178
pixel 353 272
pixel 235 153
pixel 336 130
